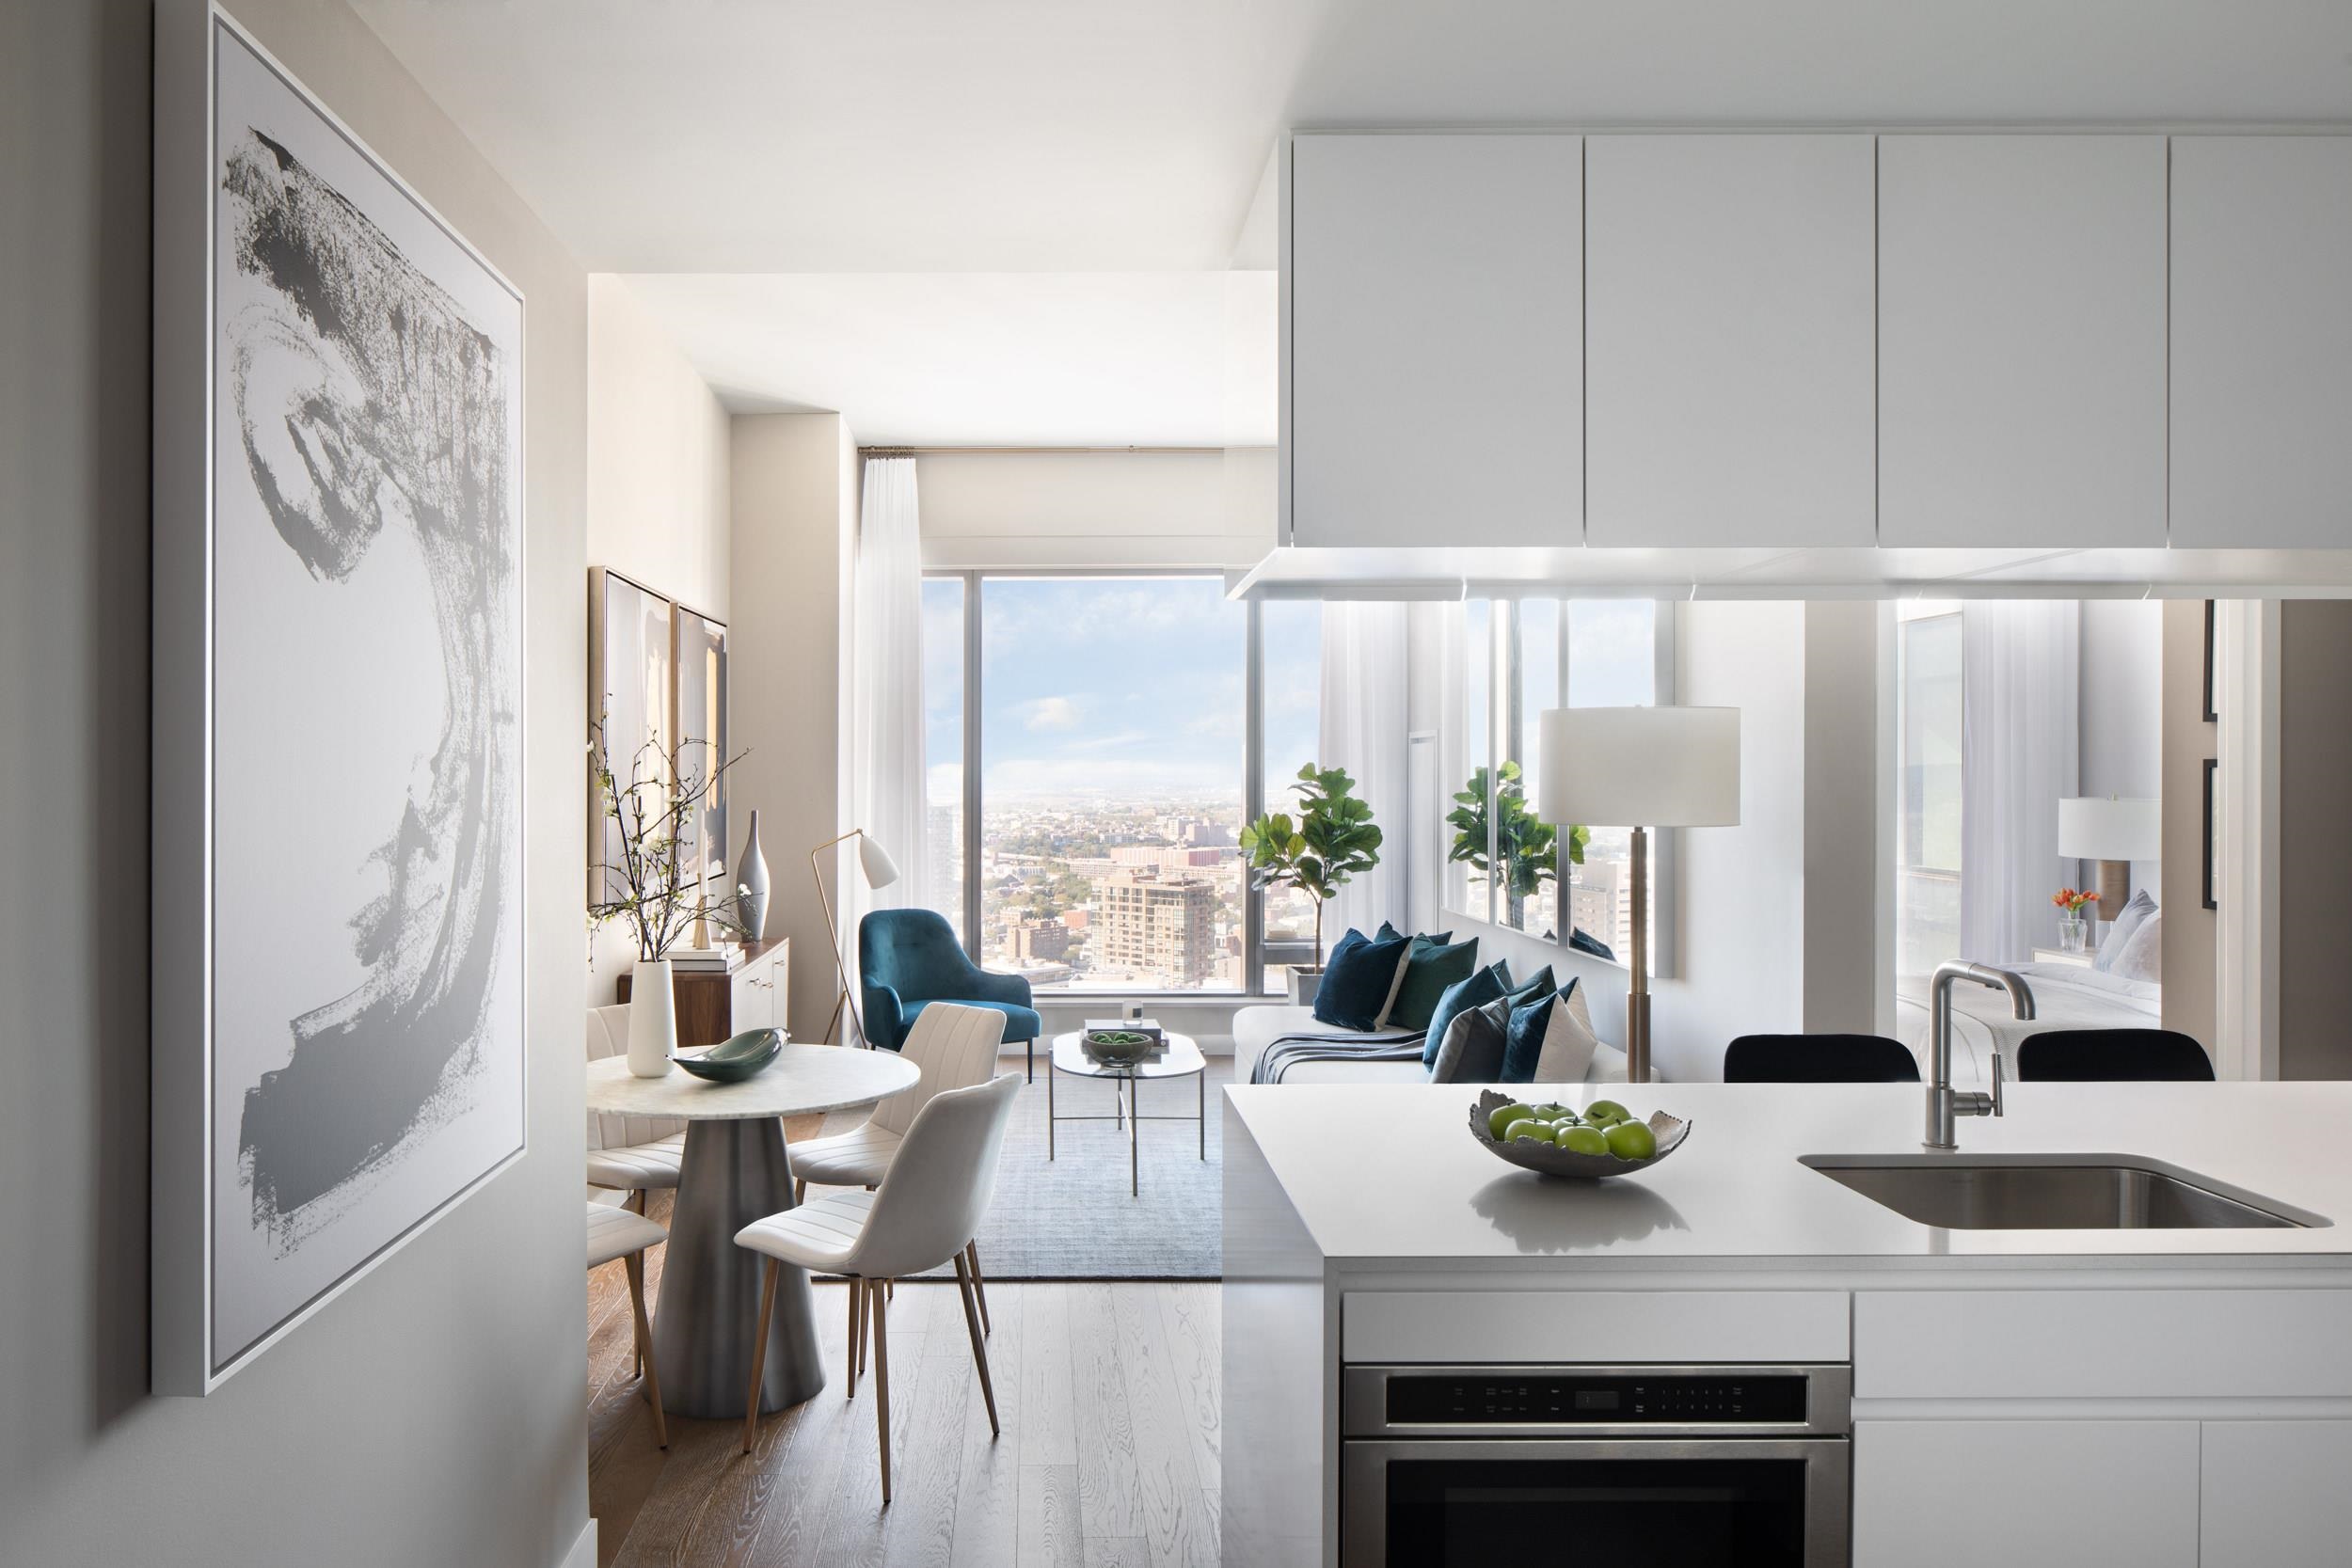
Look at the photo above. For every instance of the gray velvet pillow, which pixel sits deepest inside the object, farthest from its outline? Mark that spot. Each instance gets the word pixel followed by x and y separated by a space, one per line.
pixel 2111 951
pixel 1471 1052
pixel 2142 956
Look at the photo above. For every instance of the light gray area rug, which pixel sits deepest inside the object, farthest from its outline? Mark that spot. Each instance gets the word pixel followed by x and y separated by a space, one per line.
pixel 1070 1218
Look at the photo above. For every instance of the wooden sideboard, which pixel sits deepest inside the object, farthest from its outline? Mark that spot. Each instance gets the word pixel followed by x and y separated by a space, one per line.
pixel 713 1007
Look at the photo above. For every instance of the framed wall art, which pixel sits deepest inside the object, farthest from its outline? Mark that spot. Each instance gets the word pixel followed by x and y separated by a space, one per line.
pixel 337 912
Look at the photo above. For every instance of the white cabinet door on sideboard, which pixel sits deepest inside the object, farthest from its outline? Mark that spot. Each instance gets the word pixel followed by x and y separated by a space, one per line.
pixel 1964 1494
pixel 2262 341
pixel 2274 1495
pixel 2022 340
pixel 1436 340
pixel 1728 332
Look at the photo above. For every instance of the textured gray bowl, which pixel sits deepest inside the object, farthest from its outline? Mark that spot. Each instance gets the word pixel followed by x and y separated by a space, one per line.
pixel 1551 1160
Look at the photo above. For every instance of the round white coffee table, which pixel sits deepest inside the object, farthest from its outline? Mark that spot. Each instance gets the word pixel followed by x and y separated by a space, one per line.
pixel 1183 1060
pixel 735 1170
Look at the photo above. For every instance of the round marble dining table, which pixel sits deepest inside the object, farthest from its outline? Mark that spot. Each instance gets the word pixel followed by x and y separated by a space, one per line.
pixel 735 1169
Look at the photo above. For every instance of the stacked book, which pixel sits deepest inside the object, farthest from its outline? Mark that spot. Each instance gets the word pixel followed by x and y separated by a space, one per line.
pixel 705 960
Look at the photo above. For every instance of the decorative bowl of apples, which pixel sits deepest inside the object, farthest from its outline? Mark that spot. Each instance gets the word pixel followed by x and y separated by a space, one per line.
pixel 1602 1140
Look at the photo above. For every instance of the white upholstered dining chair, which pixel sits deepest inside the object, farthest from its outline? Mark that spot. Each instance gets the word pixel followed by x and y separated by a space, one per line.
pixel 617 1233
pixel 924 1213
pixel 953 1047
pixel 628 1154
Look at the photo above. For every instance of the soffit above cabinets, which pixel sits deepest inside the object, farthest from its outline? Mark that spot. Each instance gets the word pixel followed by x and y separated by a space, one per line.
pixel 1835 573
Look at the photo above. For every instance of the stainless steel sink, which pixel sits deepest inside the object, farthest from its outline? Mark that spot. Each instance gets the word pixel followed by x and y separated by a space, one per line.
pixel 2042 1191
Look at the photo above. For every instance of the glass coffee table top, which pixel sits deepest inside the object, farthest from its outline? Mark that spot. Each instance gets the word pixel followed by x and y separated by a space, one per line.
pixel 1182 1059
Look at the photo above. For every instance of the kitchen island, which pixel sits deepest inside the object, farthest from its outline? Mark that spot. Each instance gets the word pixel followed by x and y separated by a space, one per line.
pixel 2153 1396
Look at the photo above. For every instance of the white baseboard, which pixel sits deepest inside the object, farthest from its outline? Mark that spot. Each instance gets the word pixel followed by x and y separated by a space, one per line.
pixel 584 1552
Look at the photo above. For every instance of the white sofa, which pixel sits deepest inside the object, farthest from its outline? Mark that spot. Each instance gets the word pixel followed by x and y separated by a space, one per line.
pixel 1255 1028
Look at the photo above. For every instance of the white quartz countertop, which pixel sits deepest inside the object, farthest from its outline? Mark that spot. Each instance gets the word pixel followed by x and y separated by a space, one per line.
pixel 1390 1175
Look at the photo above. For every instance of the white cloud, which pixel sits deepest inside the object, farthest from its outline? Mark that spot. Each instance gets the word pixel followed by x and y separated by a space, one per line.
pixel 1049 713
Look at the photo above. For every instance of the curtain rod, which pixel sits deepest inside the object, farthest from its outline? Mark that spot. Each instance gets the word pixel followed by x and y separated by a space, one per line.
pixel 928 452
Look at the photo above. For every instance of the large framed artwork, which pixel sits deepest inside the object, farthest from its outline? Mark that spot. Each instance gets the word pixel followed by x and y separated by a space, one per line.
pixel 700 723
pixel 631 695
pixel 338 910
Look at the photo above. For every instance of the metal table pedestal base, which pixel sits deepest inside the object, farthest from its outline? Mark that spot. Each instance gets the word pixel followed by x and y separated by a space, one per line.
pixel 733 1173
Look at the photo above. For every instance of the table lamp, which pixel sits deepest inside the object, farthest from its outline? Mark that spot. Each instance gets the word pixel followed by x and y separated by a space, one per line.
pixel 2115 833
pixel 879 870
pixel 1639 767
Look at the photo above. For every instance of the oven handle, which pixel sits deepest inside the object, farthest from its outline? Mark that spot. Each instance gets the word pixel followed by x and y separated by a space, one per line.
pixel 1363 1480
pixel 1829 1404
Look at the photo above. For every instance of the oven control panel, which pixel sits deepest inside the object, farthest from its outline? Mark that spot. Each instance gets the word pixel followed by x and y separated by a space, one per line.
pixel 1553 1400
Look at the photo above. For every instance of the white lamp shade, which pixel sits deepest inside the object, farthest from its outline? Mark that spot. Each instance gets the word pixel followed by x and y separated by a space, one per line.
pixel 880 871
pixel 1639 767
pixel 2093 828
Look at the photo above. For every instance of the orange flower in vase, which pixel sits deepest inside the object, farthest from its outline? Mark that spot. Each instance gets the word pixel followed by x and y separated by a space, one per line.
pixel 2072 928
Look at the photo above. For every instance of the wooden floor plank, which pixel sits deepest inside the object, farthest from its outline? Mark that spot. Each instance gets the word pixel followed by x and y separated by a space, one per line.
pixel 988 1492
pixel 1051 1535
pixel 1191 1316
pixel 1110 1503
pixel 1175 1518
pixel 1049 1408
pixel 1123 1552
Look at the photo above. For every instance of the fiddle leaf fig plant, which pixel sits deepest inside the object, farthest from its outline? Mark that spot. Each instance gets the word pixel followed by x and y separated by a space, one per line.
pixel 1529 849
pixel 1321 850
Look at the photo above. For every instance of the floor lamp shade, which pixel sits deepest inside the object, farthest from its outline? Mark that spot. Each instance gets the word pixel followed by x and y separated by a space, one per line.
pixel 2115 833
pixel 875 865
pixel 1639 767
pixel 875 862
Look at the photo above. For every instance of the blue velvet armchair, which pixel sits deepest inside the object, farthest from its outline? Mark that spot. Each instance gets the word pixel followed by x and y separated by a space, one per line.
pixel 909 958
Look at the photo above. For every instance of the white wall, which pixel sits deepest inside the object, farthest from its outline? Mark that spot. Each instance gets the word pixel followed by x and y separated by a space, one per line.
pixel 434 1412
pixel 657 494
pixel 1742 888
pixel 792 533
pixel 1012 509
pixel 2120 677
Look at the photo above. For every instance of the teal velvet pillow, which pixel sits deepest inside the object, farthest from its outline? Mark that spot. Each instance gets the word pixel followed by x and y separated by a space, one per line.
pixel 1441 938
pixel 1523 1045
pixel 1458 998
pixel 1358 981
pixel 1538 984
pixel 1430 967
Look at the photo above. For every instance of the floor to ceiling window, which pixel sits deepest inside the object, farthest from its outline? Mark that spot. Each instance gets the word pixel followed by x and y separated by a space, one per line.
pixel 1927 720
pixel 1521 656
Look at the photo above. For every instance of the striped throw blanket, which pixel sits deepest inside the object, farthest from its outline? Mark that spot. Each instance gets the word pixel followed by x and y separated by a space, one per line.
pixel 1288 1051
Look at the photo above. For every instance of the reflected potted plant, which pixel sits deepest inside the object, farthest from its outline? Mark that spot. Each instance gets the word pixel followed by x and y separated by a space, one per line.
pixel 2074 931
pixel 1529 849
pixel 646 885
pixel 1319 851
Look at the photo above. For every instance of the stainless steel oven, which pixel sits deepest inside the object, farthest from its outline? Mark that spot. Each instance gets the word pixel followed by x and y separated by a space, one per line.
pixel 1688 1467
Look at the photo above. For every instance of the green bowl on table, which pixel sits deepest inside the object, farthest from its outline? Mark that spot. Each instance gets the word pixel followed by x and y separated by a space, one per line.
pixel 732 1061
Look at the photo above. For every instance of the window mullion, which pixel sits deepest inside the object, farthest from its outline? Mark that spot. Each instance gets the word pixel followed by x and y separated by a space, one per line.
pixel 972 653
pixel 1253 798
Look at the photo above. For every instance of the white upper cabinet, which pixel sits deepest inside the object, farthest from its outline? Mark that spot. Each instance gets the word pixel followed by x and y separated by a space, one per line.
pixel 1434 389
pixel 2262 340
pixel 1728 337
pixel 2021 339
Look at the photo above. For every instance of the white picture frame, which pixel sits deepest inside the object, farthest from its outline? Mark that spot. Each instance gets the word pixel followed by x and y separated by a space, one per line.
pixel 339 1002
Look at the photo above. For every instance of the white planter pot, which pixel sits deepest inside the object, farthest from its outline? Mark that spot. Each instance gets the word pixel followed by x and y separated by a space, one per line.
pixel 652 1018
pixel 1305 981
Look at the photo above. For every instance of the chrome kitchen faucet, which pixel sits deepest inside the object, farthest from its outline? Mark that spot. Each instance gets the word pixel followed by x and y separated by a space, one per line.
pixel 1944 1103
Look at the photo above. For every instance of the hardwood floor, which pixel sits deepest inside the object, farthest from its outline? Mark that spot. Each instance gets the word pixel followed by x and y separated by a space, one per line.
pixel 1108 1394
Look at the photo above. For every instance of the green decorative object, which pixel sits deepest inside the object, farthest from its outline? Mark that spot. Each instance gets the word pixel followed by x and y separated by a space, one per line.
pixel 746 1056
pixel 1321 851
pixel 1527 848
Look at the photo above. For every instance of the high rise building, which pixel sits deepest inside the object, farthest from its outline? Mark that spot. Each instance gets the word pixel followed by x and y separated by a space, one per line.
pixel 1599 905
pixel 1156 928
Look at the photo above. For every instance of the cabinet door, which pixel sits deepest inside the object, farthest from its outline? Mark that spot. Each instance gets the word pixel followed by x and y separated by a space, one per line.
pixel 1435 374
pixel 2021 341
pixel 750 997
pixel 2273 1494
pixel 1728 331
pixel 2262 341
pixel 1963 1494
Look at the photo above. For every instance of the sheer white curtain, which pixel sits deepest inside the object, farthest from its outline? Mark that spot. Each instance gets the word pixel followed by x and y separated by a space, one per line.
pixel 886 718
pixel 2020 753
pixel 1364 731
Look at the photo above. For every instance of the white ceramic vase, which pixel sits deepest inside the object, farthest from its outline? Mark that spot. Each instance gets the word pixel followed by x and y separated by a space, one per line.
pixel 751 905
pixel 652 1018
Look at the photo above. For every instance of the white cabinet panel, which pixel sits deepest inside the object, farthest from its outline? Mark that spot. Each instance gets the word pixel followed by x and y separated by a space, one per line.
pixel 2273 1494
pixel 1435 337
pixel 2262 340
pixel 1964 1494
pixel 2102 1344
pixel 1594 1325
pixel 1728 336
pixel 2021 339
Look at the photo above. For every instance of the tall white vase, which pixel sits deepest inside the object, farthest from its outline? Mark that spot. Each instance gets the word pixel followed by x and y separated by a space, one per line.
pixel 751 872
pixel 652 1018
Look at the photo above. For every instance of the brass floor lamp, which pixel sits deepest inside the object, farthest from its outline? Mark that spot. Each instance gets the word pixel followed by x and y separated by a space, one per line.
pixel 1658 766
pixel 879 871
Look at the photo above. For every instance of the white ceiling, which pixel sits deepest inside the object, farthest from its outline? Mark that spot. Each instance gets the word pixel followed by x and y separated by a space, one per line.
pixel 1151 358
pixel 1074 137
pixel 1085 136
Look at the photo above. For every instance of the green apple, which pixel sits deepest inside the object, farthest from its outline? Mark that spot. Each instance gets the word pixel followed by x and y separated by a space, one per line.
pixel 1606 1110
pixel 1553 1113
pixel 1584 1140
pixel 1528 1128
pixel 1631 1140
pixel 1505 1117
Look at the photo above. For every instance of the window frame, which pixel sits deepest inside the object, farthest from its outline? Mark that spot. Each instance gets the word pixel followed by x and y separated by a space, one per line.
pixel 1256 951
pixel 1504 655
